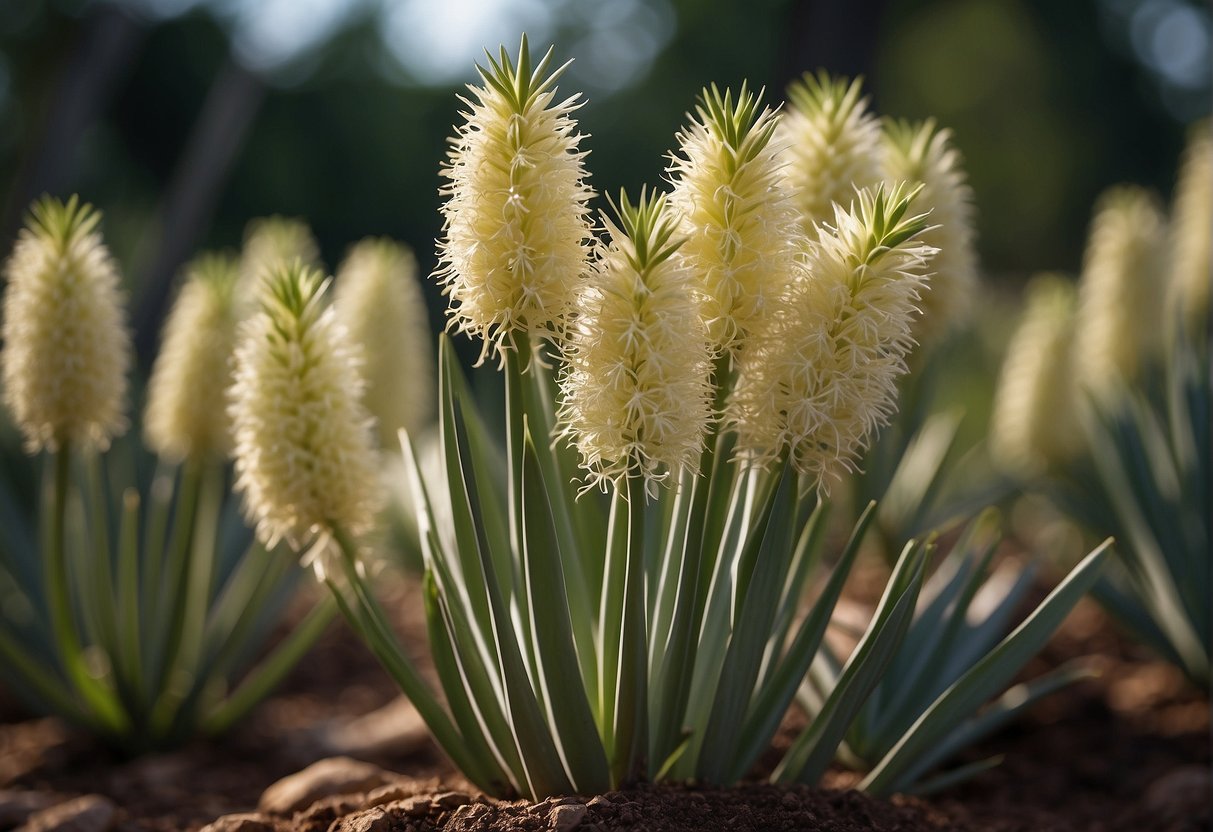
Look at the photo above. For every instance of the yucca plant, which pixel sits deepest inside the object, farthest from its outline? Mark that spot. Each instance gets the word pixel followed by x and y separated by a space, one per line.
pixel 1134 393
pixel 943 688
pixel 133 603
pixel 582 644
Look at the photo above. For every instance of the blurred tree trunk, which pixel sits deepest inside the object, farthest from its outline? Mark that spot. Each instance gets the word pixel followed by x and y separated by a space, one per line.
pixel 836 35
pixel 105 49
pixel 189 203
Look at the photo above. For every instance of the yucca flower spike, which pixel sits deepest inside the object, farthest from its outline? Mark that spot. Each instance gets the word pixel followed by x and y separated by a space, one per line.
pixel 1032 425
pixel 66 344
pixel 743 236
pixel 819 380
pixel 305 461
pixel 516 228
pixel 378 299
pixel 185 417
pixel 833 145
pixel 924 154
pixel 1191 237
pixel 1121 294
pixel 270 242
pixel 636 389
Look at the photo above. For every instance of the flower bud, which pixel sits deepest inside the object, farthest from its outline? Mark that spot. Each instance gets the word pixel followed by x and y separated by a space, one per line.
pixel 379 301
pixel 833 145
pixel 923 154
pixel 185 415
pixel 821 377
pixel 742 232
pixel 66 345
pixel 515 221
pixel 636 389
pixel 1032 425
pixel 304 456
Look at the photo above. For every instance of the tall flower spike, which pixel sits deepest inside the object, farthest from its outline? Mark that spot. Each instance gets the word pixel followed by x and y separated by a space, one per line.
pixel 1032 426
pixel 742 232
pixel 304 456
pixel 66 345
pixel 820 378
pixel 833 145
pixel 191 375
pixel 923 154
pixel 1192 237
pixel 636 391
pixel 271 242
pixel 1122 292
pixel 516 225
pixel 379 301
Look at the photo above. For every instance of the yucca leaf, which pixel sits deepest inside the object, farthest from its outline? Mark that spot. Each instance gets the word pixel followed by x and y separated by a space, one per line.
pixel 987 676
pixel 812 751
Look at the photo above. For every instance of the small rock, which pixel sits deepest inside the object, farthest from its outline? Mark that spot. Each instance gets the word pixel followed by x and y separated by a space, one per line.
pixel 394 730
pixel 91 813
pixel 1183 793
pixel 451 800
pixel 336 775
pixel 16 806
pixel 567 816
pixel 387 794
pixel 372 820
pixel 242 822
pixel 790 800
pixel 598 802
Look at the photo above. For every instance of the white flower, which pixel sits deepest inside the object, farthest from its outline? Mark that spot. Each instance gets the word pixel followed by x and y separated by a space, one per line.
pixel 743 235
pixel 636 389
pixel 821 377
pixel 516 225
pixel 66 345
pixel 379 301
pixel 185 416
pixel 304 456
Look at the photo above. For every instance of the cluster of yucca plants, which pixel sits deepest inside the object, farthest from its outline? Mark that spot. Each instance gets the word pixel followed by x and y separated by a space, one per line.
pixel 617 596
pixel 135 601
pixel 1105 405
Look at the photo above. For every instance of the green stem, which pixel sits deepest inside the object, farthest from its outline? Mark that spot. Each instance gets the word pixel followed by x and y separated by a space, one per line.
pixel 631 708
pixel 104 708
pixel 372 625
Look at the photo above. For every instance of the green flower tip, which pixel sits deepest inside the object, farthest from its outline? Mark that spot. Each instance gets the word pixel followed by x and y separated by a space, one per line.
pixel 66 344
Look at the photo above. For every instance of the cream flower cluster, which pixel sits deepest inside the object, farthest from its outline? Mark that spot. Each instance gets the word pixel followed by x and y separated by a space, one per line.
pixel 304 455
pixel 1192 237
pixel 1032 426
pixel 742 230
pixel 636 388
pixel 270 242
pixel 193 368
pixel 924 154
pixel 66 345
pixel 516 223
pixel 1122 291
pixel 379 301
pixel 833 145
pixel 818 381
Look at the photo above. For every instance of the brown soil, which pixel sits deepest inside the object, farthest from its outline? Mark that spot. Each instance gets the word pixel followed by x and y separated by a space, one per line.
pixel 1127 751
